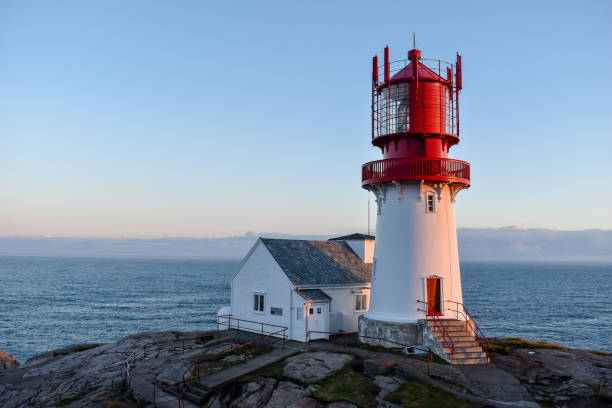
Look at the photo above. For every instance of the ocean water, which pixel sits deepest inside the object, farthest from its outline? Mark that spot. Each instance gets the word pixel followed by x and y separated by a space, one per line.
pixel 47 303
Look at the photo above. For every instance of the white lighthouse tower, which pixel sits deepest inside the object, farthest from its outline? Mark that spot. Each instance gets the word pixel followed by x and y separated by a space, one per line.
pixel 415 122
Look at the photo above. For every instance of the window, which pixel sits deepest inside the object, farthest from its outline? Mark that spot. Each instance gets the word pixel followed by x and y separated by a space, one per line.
pixel 361 302
pixel 431 202
pixel 310 311
pixel 258 302
pixel 276 311
pixel 318 310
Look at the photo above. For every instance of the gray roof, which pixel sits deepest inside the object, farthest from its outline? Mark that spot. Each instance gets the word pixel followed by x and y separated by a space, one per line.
pixel 314 294
pixel 353 237
pixel 318 262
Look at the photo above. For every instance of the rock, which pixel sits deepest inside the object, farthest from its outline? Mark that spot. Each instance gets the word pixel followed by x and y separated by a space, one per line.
pixel 568 376
pixel 374 367
pixel 310 368
pixel 87 375
pixel 7 361
pixel 289 395
pixel 389 384
pixel 341 404
pixel 255 394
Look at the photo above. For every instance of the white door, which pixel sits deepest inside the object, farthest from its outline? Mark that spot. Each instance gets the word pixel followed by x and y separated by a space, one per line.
pixel 318 320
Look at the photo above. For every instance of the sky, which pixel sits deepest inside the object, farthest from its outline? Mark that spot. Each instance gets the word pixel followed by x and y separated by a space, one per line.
pixel 210 119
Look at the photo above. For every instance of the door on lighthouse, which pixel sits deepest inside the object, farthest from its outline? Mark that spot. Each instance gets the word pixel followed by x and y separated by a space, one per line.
pixel 434 294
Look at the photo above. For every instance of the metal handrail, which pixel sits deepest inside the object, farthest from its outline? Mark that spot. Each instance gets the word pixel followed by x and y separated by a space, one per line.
pixel 215 356
pixel 279 334
pixel 478 334
pixel 380 340
pixel 437 322
pixel 238 320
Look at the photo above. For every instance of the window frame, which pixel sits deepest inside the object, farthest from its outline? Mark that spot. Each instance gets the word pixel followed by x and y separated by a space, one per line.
pixel 363 302
pixel 259 302
pixel 430 196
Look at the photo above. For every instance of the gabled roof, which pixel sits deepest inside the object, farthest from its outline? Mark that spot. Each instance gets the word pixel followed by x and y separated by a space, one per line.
pixel 318 262
pixel 316 295
pixel 353 237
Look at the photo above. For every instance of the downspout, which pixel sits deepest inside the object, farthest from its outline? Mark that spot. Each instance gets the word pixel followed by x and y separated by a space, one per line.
pixel 290 314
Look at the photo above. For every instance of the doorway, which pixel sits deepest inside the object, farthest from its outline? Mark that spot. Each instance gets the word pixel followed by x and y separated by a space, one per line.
pixel 434 296
pixel 318 320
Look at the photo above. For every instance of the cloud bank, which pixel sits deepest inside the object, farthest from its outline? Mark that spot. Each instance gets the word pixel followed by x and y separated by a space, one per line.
pixel 503 244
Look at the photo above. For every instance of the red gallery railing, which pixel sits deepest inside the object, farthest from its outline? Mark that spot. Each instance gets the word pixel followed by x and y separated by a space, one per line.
pixel 415 169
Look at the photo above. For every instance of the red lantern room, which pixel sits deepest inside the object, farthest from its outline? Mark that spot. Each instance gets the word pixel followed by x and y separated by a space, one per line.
pixel 415 120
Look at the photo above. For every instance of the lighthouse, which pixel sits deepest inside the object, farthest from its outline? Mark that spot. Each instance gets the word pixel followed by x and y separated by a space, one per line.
pixel 415 122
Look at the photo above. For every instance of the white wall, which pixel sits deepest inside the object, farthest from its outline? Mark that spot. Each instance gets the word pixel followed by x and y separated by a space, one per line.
pixel 410 245
pixel 363 248
pixel 343 316
pixel 261 274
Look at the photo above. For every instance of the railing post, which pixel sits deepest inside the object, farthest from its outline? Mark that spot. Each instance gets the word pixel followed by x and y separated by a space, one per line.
pixel 262 328
pixel 183 346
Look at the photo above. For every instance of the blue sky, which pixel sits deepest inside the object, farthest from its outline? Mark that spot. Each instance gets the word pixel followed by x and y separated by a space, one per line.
pixel 193 118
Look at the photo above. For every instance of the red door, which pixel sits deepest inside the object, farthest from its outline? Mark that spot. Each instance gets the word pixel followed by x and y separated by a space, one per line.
pixel 434 293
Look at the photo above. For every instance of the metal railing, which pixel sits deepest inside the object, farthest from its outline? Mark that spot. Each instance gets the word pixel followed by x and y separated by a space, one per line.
pixel 390 100
pixel 380 342
pixel 416 169
pixel 250 326
pixel 470 325
pixel 447 340
pixel 140 353
pixel 277 336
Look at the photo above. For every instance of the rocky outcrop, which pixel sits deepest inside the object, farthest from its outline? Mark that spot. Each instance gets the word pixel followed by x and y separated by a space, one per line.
pixel 88 375
pixel 310 368
pixel 7 361
pixel 571 378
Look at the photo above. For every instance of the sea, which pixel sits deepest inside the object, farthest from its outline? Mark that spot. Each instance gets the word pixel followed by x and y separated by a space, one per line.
pixel 48 303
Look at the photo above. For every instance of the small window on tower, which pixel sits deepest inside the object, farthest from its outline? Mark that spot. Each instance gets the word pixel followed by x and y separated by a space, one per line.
pixel 431 202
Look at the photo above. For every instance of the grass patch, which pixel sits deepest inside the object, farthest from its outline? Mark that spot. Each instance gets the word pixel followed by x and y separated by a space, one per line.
pixel 507 343
pixel 603 397
pixel 348 385
pixel 418 394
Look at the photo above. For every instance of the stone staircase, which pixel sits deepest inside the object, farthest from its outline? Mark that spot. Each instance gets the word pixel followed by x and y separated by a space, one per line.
pixel 467 349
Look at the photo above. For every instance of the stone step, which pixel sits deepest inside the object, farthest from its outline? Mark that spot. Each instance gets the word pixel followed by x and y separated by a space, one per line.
pixel 473 349
pixel 455 337
pixel 459 344
pixel 482 360
pixel 462 355
pixel 451 330
pixel 201 388
pixel 447 323
pixel 194 396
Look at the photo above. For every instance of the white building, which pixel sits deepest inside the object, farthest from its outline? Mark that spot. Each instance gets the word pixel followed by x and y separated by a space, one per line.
pixel 319 287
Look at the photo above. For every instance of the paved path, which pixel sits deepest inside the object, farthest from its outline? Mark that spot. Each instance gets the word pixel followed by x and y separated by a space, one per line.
pixel 221 377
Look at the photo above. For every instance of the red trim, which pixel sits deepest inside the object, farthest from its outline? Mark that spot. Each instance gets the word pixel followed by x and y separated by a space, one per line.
pixel 415 169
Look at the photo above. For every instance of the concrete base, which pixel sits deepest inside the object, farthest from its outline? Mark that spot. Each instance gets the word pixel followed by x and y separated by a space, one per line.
pixel 411 334
pixel 403 333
